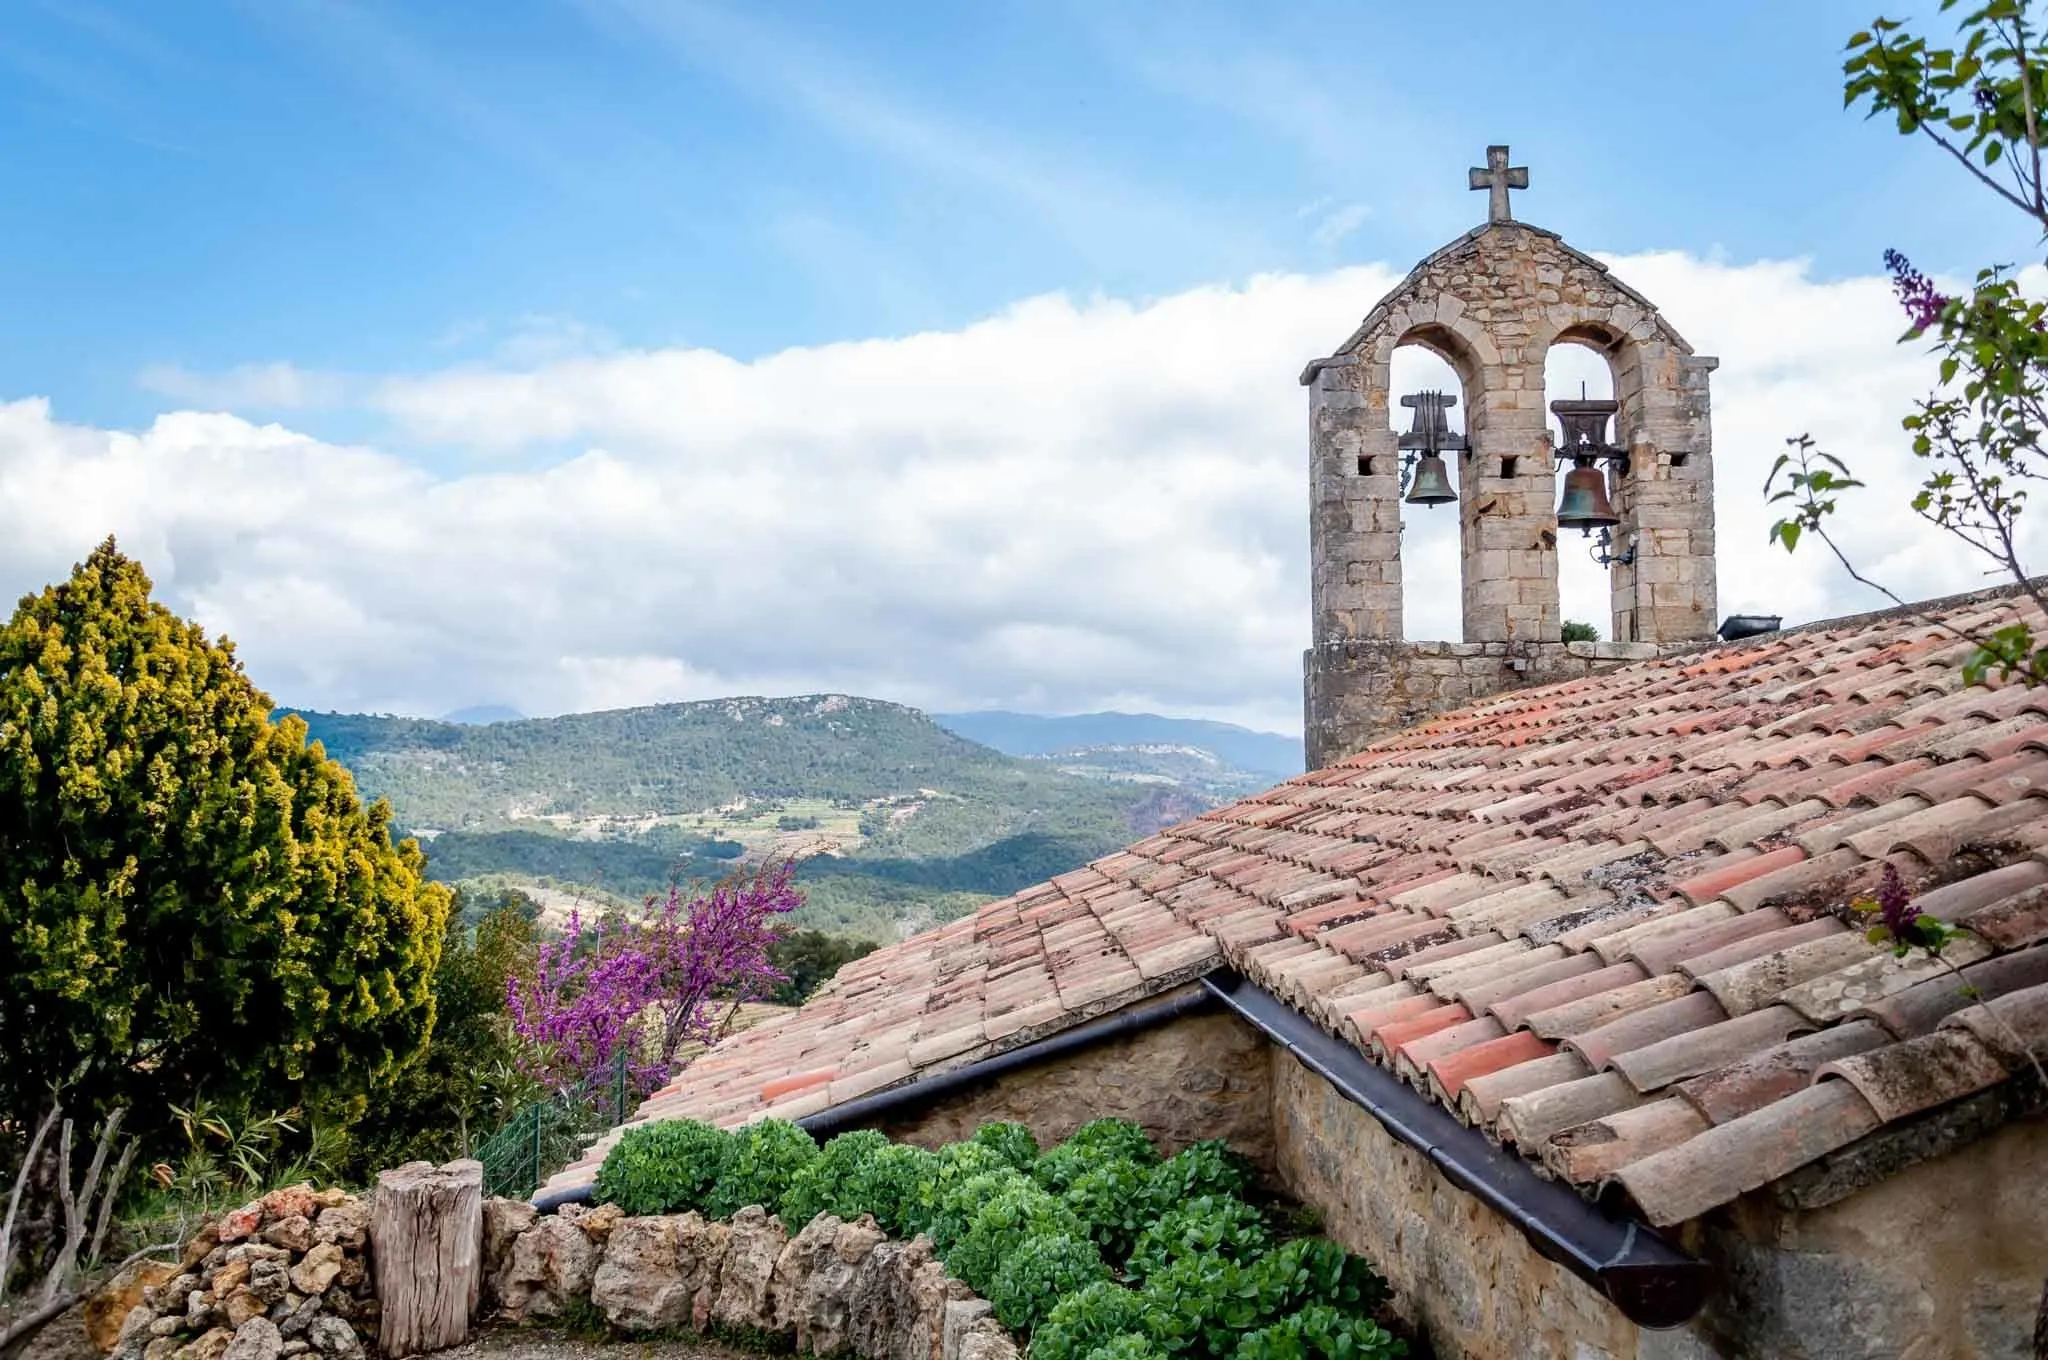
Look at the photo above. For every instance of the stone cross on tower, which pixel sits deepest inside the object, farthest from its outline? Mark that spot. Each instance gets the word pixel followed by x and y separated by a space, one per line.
pixel 1496 178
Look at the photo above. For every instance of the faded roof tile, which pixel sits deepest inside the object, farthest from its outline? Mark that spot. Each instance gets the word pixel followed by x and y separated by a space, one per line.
pixel 1597 1149
pixel 1695 1052
pixel 1831 996
pixel 1728 1159
pixel 2013 1026
pixel 1757 982
pixel 1640 1028
pixel 1918 1074
pixel 1529 1119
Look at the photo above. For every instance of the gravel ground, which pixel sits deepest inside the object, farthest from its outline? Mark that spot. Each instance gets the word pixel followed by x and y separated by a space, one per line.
pixel 64 1339
pixel 531 1343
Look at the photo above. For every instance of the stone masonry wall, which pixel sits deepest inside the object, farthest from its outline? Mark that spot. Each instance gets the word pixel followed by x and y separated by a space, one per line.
pixel 1202 1076
pixel 1355 691
pixel 1463 1275
pixel 1943 1260
pixel 835 1288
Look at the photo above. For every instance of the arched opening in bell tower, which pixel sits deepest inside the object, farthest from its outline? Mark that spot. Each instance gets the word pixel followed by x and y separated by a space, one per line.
pixel 1579 365
pixel 1431 551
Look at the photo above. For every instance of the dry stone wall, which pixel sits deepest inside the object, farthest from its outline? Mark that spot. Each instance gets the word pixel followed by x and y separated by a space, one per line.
pixel 282 1276
pixel 835 1288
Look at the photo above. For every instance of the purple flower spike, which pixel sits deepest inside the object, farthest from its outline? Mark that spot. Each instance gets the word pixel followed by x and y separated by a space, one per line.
pixel 1915 291
pixel 1894 907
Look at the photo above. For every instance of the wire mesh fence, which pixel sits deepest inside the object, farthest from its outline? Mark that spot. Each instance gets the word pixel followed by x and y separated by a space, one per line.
pixel 549 1134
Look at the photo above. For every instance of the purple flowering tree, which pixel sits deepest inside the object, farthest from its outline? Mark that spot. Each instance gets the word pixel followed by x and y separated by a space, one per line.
pixel 1978 434
pixel 709 956
pixel 646 988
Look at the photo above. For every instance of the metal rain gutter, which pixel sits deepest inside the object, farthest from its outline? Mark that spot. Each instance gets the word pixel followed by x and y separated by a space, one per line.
pixel 1652 1282
pixel 1130 1020
pixel 1186 1000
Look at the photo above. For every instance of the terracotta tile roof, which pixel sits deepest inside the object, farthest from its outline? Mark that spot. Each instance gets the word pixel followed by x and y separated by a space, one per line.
pixel 1599 920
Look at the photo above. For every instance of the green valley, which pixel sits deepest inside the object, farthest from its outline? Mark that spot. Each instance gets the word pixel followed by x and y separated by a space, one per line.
pixel 900 823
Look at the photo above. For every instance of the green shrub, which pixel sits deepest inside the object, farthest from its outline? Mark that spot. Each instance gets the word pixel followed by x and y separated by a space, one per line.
pixel 824 1183
pixel 1115 1138
pixel 1127 1346
pixel 1078 1325
pixel 1321 1331
pixel 1212 1225
pixel 766 1157
pixel 1095 1142
pixel 888 1183
pixel 663 1167
pixel 1038 1272
pixel 1016 1212
pixel 949 1221
pixel 953 1165
pixel 1205 1168
pixel 1013 1142
pixel 1113 1202
pixel 1315 1270
pixel 1197 1306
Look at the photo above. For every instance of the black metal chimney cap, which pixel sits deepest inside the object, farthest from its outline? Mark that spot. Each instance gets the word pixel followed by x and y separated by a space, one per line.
pixel 1748 625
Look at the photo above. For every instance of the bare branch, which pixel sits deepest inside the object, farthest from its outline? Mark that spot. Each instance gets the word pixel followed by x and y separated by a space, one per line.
pixel 2019 47
pixel 107 1198
pixel 1983 177
pixel 74 1227
pixel 1860 579
pixel 35 1147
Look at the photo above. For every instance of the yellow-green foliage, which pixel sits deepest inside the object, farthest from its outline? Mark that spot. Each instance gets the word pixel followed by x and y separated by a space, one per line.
pixel 195 901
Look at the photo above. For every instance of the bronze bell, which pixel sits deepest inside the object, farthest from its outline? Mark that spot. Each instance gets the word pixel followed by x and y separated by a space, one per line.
pixel 1431 484
pixel 1584 505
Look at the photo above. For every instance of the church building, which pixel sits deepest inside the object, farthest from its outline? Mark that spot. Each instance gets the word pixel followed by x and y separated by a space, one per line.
pixel 1542 985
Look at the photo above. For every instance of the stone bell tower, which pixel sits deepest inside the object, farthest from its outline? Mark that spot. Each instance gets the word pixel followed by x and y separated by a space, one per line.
pixel 1491 304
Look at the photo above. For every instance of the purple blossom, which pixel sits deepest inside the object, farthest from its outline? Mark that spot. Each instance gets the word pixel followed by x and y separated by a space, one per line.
pixel 647 988
pixel 1893 906
pixel 1915 291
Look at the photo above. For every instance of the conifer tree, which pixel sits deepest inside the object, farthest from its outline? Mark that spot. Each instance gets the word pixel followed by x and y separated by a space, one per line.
pixel 194 901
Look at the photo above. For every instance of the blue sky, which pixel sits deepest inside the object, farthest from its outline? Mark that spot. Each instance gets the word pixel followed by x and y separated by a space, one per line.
pixel 580 353
pixel 385 187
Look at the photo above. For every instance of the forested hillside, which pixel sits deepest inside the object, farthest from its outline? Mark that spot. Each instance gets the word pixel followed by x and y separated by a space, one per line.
pixel 900 822
pixel 1226 746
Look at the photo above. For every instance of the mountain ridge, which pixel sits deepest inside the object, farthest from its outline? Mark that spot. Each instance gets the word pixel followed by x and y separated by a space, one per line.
pixel 1034 734
pixel 900 821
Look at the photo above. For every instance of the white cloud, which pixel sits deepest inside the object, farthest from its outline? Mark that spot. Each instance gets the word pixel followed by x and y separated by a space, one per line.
pixel 272 387
pixel 1338 223
pixel 1066 506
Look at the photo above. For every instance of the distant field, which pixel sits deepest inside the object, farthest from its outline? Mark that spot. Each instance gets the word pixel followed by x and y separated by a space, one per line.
pixel 899 824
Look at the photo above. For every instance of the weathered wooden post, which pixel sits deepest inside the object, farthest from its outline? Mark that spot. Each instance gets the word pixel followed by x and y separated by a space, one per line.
pixel 426 1245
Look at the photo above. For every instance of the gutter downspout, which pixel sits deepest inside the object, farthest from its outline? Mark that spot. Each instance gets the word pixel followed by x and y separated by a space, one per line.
pixel 1191 999
pixel 1652 1282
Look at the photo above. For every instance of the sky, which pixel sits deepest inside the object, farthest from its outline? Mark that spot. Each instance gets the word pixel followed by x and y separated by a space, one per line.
pixel 568 354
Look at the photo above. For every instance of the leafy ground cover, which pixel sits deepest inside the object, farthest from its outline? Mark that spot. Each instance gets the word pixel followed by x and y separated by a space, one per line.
pixel 1095 1249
